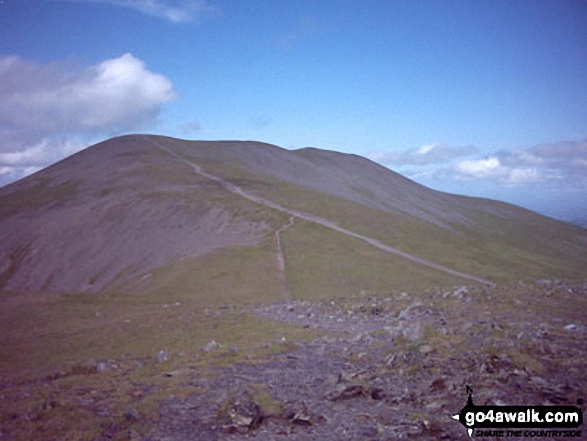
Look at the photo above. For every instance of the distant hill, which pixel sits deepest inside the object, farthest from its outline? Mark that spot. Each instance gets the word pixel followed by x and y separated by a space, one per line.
pixel 235 221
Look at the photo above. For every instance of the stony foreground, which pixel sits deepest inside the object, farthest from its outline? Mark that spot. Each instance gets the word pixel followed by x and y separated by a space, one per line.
pixel 397 367
pixel 382 366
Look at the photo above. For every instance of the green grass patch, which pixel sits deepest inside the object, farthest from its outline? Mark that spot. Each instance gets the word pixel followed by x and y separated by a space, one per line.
pixel 321 263
pixel 230 276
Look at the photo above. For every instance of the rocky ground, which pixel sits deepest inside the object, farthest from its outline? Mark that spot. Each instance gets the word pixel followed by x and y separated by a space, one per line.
pixel 396 366
pixel 382 366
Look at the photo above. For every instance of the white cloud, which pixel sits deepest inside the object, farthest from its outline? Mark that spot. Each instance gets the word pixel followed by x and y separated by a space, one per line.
pixel 49 111
pixel 427 154
pixel 426 149
pixel 47 150
pixel 561 165
pixel 493 168
pixel 174 11
pixel 31 155
pixel 480 168
pixel 10 174
pixel 116 94
pixel 557 161
pixel 523 175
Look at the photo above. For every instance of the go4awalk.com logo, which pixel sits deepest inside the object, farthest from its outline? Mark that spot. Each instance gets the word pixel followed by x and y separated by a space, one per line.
pixel 520 421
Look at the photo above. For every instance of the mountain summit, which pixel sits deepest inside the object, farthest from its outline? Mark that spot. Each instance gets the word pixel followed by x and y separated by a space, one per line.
pixel 252 222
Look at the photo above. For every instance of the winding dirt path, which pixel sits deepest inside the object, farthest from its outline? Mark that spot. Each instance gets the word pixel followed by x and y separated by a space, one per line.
pixel 316 219
pixel 285 294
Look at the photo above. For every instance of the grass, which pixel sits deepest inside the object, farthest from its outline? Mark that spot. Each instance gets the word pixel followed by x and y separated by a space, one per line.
pixel 37 194
pixel 513 244
pixel 42 335
pixel 230 276
pixel 50 345
pixel 321 263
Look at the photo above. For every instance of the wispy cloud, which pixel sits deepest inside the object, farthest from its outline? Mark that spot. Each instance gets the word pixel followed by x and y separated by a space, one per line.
pixel 191 128
pixel 493 168
pixel 561 163
pixel 427 154
pixel 28 158
pixel 259 122
pixel 564 163
pixel 183 11
pixel 173 11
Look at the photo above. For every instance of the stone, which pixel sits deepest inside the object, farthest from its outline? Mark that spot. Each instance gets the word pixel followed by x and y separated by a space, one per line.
pixel 132 415
pixel 50 404
pixel 211 345
pixel 377 393
pixel 460 291
pixel 162 356
pixel 438 385
pixel 345 392
pixel 425 349
pixel 299 415
pixel 390 359
pixel 101 367
pixel 412 331
pixel 243 415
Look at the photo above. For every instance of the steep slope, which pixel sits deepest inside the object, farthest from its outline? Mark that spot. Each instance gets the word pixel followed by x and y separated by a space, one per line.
pixel 113 213
pixel 134 214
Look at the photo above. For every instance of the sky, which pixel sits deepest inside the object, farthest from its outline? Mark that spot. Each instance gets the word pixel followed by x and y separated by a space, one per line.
pixel 477 97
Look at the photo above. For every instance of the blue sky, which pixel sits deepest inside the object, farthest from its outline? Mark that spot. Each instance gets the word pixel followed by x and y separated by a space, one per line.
pixel 485 98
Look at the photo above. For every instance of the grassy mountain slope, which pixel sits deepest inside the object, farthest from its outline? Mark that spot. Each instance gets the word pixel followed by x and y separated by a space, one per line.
pixel 491 239
pixel 126 215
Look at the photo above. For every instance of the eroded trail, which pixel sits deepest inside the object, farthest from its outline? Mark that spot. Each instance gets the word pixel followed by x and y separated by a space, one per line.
pixel 286 295
pixel 316 219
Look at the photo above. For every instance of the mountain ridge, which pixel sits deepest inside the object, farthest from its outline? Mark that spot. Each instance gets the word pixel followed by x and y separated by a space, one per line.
pixel 122 211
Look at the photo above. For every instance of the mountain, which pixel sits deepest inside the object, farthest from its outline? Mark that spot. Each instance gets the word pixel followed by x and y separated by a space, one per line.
pixel 152 288
pixel 236 221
